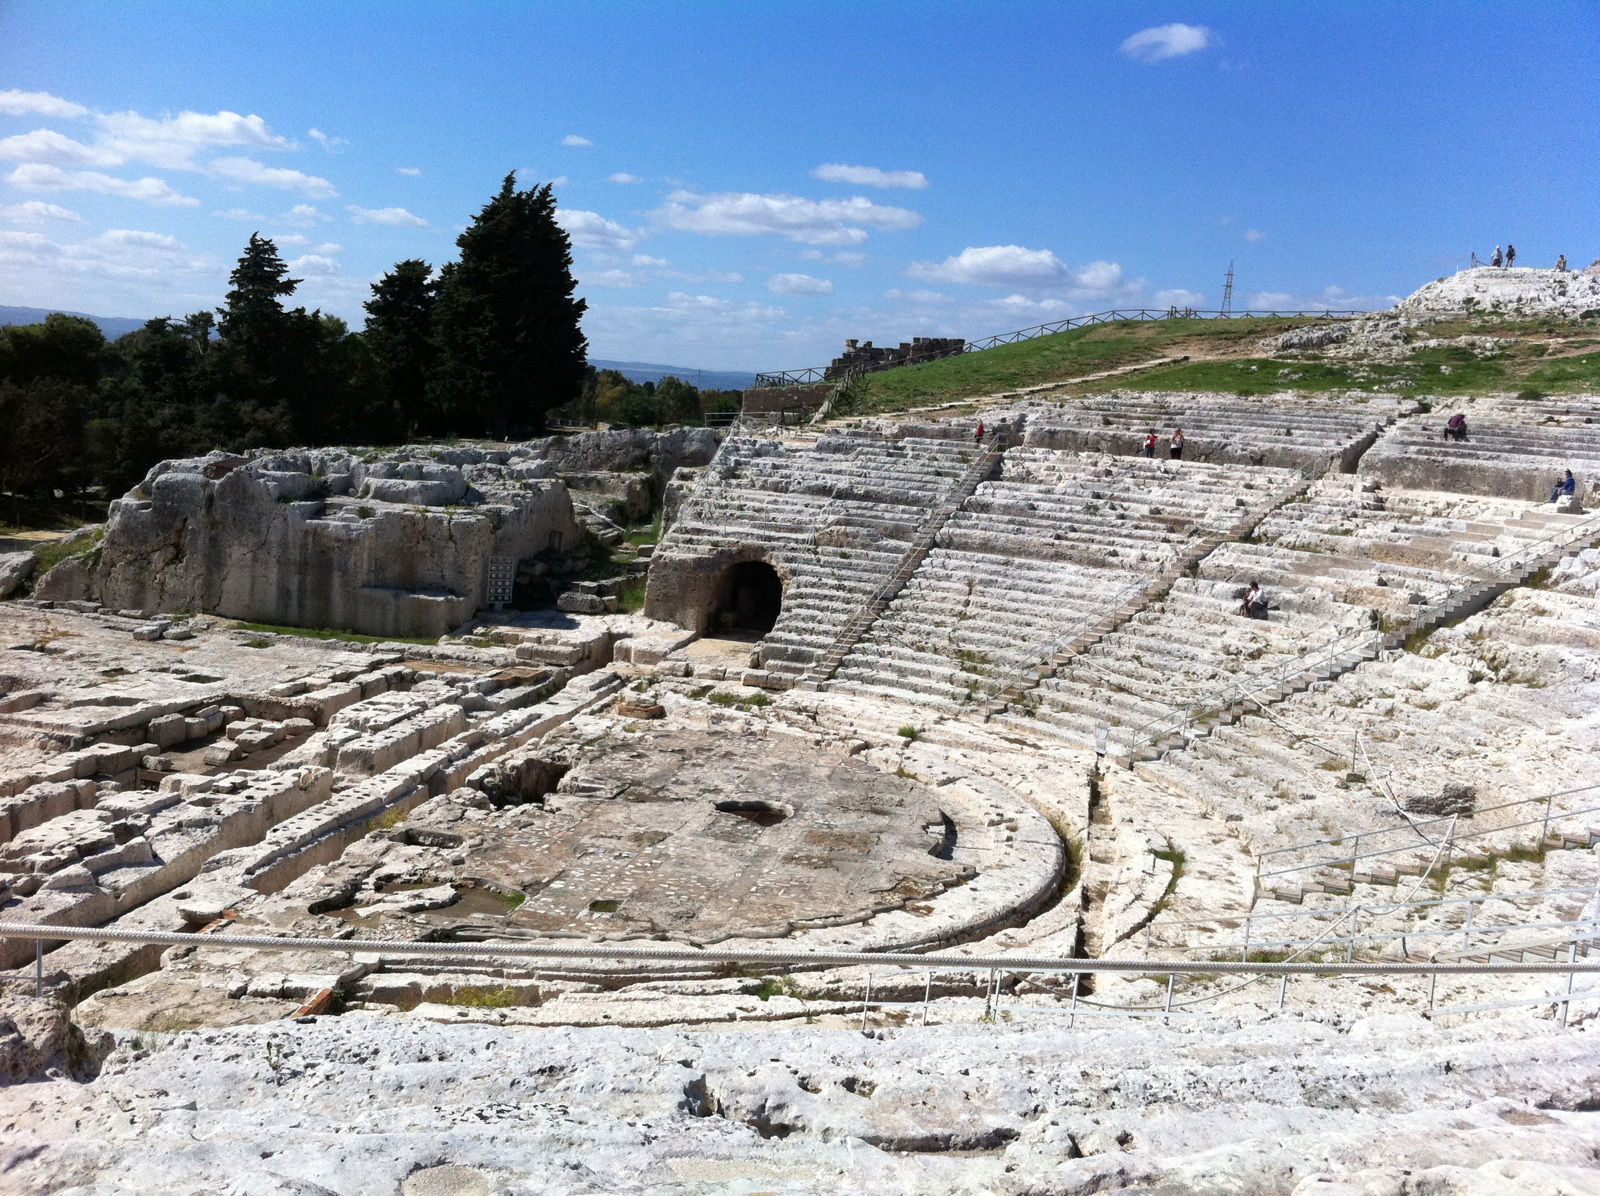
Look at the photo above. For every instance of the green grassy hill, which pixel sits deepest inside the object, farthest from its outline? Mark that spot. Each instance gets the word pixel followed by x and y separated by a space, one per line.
pixel 1548 356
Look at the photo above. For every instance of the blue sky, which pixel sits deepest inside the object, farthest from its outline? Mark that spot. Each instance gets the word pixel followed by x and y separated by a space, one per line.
pixel 747 184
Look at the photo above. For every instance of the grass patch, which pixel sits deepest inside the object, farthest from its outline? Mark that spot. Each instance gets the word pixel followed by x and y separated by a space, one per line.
pixel 908 733
pixel 744 702
pixel 512 901
pixel 641 536
pixel 332 633
pixel 604 905
pixel 483 997
pixel 630 595
pixel 1059 357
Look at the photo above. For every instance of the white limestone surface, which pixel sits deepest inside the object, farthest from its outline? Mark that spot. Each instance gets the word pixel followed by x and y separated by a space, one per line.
pixel 363 1105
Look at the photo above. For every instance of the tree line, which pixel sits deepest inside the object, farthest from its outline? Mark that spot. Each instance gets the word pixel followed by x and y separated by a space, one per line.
pixel 490 345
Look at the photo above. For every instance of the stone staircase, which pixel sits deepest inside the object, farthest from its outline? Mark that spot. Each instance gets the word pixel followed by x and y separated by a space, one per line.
pixel 850 634
pixel 1057 539
pixel 1085 634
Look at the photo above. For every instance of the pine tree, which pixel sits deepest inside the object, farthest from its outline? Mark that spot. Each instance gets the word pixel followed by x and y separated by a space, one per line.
pixel 254 317
pixel 506 323
pixel 399 332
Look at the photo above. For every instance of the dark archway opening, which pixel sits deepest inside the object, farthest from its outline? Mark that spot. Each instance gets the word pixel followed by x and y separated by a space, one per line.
pixel 752 596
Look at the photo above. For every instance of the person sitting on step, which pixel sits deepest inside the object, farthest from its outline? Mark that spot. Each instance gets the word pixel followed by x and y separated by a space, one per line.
pixel 1254 603
pixel 1564 487
pixel 1455 427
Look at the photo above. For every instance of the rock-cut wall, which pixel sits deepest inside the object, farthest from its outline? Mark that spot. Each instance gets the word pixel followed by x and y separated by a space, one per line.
pixel 324 538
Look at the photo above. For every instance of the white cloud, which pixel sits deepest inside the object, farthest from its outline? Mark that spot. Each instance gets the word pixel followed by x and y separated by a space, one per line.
pixel 1161 42
pixel 809 221
pixel 36 211
pixel 332 144
pixel 844 257
pixel 644 259
pixel 622 176
pixel 1272 299
pixel 1022 305
pixel 1254 234
pixel 703 276
pixel 396 217
pixel 590 230
pixel 1178 297
pixel 240 214
pixel 314 265
pixel 304 215
pixel 46 145
pixel 915 296
pixel 870 176
pixel 249 172
pixel 138 238
pixel 995 265
pixel 678 301
pixel 173 141
pixel 121 255
pixel 573 139
pixel 1098 276
pixel 410 171
pixel 35 176
pixel 799 284
pixel 40 103
pixel 613 279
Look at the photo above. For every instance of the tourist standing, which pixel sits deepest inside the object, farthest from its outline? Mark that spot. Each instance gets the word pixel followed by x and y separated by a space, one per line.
pixel 977 435
pixel 1511 255
pixel 1561 264
pixel 1496 259
pixel 1150 443
pixel 1175 445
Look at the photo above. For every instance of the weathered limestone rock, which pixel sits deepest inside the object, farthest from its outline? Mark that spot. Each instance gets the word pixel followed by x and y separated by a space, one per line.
pixel 38 1036
pixel 1489 290
pixel 15 568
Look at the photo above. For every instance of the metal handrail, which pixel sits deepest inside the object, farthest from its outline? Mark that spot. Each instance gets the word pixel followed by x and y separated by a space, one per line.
pixel 1382 908
pixel 1139 314
pixel 1454 840
pixel 1548 799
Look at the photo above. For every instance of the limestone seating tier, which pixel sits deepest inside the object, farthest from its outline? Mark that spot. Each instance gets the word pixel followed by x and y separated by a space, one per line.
pixel 1058 538
pixel 1218 430
pixel 1513 450
pixel 836 516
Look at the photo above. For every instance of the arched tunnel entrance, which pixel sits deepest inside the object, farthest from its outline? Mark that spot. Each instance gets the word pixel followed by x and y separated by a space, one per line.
pixel 749 599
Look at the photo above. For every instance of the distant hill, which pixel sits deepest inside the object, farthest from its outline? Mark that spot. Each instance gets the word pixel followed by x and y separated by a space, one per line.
pixel 112 326
pixel 649 371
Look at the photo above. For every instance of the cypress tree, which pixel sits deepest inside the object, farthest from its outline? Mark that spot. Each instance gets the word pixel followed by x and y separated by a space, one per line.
pixel 507 327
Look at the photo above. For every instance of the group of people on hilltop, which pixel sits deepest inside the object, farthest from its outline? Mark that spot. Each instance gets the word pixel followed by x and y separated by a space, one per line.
pixel 1174 444
pixel 1509 257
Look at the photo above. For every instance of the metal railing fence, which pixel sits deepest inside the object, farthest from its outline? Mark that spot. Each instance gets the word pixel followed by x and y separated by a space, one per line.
pixel 824 373
pixel 991 970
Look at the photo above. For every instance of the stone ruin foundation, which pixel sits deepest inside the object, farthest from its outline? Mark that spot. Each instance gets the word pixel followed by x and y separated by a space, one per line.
pixel 887 695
